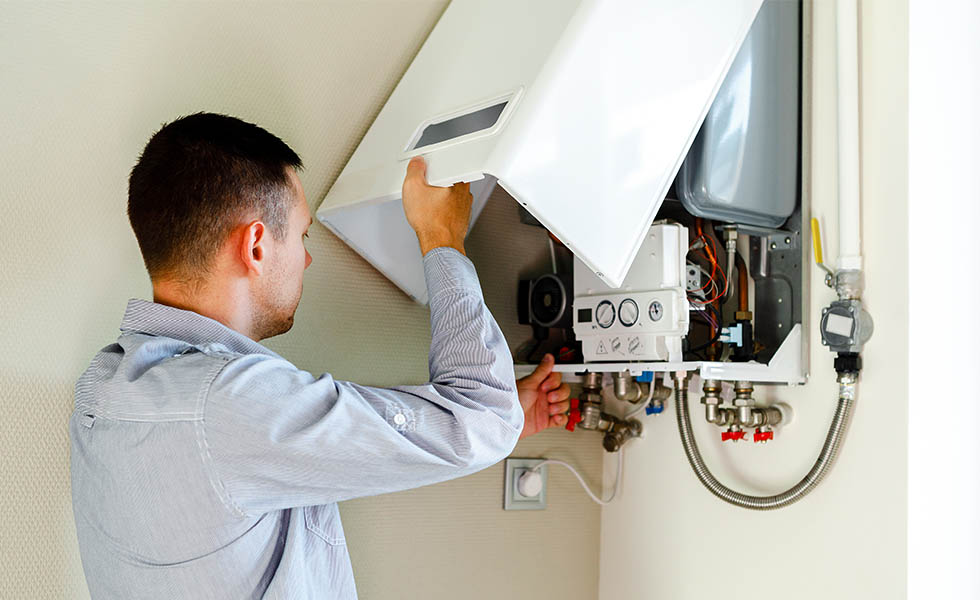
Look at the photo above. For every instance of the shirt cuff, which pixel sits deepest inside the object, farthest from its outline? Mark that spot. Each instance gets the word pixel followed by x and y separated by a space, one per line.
pixel 447 270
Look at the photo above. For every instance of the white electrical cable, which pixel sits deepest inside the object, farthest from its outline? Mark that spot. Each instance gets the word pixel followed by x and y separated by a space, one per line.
pixel 596 499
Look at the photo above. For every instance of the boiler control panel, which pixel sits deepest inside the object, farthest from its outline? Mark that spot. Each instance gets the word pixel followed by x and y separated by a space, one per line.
pixel 647 318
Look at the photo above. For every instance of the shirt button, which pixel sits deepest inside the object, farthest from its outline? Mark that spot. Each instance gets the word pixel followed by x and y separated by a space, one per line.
pixel 400 419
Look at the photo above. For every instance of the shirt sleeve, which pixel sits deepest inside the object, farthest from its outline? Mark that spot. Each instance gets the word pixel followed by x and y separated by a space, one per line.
pixel 278 437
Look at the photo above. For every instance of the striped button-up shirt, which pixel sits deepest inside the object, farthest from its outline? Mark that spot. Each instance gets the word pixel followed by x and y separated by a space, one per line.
pixel 204 465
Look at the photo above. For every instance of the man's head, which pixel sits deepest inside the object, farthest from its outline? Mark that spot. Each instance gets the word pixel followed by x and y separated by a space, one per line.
pixel 220 217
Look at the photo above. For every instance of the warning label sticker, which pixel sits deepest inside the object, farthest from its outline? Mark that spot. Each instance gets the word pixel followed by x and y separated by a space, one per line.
pixel 601 348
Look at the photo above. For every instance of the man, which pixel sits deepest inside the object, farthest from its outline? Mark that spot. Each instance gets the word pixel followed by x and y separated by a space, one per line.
pixel 206 466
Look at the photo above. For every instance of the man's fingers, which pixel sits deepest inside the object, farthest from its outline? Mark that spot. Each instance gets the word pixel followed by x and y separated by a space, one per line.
pixel 551 382
pixel 463 195
pixel 558 408
pixel 416 170
pixel 542 371
pixel 562 393
pixel 558 421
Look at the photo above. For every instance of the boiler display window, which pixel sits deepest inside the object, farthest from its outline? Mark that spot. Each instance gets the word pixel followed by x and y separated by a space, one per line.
pixel 478 120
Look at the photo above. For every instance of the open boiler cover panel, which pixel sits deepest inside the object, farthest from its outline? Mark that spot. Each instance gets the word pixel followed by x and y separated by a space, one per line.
pixel 590 113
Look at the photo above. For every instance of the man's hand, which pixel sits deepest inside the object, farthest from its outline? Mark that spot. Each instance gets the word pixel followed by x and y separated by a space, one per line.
pixel 543 397
pixel 439 216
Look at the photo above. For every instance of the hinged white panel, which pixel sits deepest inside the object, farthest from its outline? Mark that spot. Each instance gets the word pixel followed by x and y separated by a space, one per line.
pixel 602 99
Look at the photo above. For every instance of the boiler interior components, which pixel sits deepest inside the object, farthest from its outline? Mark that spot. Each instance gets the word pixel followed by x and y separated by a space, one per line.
pixel 731 310
pixel 582 111
pixel 547 302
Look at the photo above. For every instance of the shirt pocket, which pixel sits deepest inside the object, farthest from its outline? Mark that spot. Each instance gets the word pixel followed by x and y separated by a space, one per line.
pixel 323 521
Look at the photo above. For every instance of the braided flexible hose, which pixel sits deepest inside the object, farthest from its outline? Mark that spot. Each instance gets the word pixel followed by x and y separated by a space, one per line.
pixel 821 467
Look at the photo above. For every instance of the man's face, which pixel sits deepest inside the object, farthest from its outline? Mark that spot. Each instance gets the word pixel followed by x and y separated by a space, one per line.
pixel 281 289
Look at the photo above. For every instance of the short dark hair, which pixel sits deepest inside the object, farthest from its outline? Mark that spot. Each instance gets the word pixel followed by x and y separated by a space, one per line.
pixel 199 177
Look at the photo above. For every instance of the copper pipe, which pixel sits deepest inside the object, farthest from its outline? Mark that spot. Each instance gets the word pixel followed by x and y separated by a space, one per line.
pixel 743 283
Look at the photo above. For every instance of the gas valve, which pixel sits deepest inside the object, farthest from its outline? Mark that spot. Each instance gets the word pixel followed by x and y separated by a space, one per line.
pixel 574 415
pixel 733 435
pixel 762 435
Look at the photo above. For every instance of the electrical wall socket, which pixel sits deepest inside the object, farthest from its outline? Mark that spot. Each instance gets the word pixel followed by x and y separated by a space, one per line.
pixel 513 499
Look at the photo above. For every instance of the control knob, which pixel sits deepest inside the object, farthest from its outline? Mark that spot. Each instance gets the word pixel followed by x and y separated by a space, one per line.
pixel 605 314
pixel 628 312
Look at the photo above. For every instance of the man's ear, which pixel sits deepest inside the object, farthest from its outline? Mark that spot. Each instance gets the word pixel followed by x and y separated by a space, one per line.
pixel 252 247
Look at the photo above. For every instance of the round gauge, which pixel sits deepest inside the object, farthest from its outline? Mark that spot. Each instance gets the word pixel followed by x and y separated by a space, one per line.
pixel 628 312
pixel 656 310
pixel 605 314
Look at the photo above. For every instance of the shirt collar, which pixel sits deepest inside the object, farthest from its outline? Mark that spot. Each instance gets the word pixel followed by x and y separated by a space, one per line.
pixel 166 321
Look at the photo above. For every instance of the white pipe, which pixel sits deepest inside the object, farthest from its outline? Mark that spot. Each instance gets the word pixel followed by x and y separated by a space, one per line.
pixel 848 131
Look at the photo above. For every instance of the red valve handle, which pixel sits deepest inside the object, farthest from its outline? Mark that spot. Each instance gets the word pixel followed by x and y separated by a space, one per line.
pixel 762 436
pixel 732 435
pixel 574 415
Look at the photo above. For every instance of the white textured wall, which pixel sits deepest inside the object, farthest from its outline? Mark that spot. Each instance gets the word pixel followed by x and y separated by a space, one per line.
pixel 669 537
pixel 82 87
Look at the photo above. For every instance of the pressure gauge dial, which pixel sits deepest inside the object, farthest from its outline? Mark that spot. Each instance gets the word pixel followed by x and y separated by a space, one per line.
pixel 605 314
pixel 628 312
pixel 656 310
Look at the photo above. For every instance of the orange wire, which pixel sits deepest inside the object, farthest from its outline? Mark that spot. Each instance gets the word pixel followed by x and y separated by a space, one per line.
pixel 710 253
pixel 714 261
pixel 711 277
